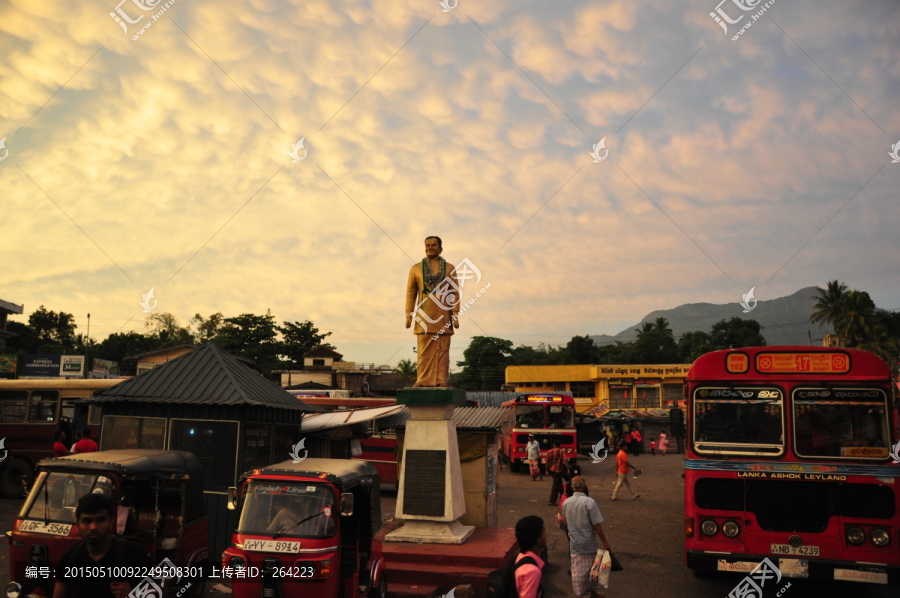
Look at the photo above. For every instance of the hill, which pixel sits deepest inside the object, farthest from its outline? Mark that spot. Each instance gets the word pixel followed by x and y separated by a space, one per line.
pixel 785 320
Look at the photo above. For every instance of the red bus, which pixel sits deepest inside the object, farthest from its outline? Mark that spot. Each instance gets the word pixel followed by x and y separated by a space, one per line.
pixel 788 458
pixel 549 416
pixel 30 413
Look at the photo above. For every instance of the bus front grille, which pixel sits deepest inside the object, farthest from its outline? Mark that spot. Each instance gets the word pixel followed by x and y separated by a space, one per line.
pixel 795 506
pixel 782 506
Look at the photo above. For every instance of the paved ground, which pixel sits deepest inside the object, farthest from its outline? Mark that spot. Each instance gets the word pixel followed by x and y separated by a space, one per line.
pixel 646 535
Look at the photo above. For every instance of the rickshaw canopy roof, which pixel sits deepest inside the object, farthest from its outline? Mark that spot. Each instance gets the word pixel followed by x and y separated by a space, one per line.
pixel 345 473
pixel 134 463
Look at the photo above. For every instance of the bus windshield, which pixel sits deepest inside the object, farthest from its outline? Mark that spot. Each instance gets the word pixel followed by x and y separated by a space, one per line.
pixel 529 416
pixel 561 416
pixel 849 423
pixel 55 496
pixel 738 421
pixel 287 509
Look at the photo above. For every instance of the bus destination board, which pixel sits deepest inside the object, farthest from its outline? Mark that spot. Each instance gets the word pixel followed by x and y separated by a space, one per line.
pixel 802 363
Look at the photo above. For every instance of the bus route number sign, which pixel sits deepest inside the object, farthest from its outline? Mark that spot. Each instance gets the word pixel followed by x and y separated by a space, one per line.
pixel 800 363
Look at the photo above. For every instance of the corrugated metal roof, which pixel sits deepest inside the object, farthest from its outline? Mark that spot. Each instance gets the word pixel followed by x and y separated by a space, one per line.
pixel 207 375
pixel 465 418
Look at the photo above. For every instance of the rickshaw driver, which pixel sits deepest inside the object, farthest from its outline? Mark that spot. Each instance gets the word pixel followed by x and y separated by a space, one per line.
pixel 93 515
pixel 289 517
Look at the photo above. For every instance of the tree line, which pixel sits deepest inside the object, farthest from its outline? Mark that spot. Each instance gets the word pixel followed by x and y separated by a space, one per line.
pixel 856 321
pixel 258 338
pixel 486 358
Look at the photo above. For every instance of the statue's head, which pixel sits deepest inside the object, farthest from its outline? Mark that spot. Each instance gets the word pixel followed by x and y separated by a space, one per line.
pixel 433 246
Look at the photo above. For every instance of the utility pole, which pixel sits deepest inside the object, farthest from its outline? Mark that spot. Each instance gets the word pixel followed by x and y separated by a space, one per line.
pixel 89 329
pixel 809 335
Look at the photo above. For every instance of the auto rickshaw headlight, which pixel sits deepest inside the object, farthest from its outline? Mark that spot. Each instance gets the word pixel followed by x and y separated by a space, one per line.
pixel 13 590
pixel 237 562
pixel 325 569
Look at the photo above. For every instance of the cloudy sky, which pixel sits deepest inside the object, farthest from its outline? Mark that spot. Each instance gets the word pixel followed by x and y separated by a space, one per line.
pixel 163 161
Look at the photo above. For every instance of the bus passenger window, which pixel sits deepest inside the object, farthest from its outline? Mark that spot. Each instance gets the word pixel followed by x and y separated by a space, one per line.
pixel 42 409
pixel 529 416
pixel 12 406
pixel 561 416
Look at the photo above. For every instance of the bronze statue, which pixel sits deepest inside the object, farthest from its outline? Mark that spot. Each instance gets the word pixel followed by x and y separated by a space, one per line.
pixel 432 299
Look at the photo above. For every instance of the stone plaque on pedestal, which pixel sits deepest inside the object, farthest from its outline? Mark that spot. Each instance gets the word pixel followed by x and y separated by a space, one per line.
pixel 431 498
pixel 424 483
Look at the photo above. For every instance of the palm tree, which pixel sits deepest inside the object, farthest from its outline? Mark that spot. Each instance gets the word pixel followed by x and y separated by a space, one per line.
pixel 646 328
pixel 406 368
pixel 854 323
pixel 662 326
pixel 881 343
pixel 830 305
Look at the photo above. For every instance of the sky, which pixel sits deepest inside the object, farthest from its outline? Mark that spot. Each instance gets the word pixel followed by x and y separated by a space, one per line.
pixel 158 157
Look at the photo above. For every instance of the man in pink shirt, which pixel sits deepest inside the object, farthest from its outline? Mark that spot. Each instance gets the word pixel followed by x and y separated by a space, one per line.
pixel 532 537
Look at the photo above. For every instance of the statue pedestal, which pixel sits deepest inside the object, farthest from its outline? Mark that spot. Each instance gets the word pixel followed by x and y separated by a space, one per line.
pixel 431 498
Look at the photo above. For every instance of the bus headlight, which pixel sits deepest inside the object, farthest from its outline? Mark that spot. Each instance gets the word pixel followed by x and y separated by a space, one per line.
pixel 520 449
pixel 13 590
pixel 731 529
pixel 709 527
pixel 879 537
pixel 856 536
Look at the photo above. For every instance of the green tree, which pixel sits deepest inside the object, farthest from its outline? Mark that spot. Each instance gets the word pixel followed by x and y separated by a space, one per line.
pixel 298 338
pixel 119 345
pixel 26 340
pixel 646 328
pixel 580 350
pixel 484 364
pixel 829 306
pixel 168 330
pixel 52 327
pixel 654 346
pixel 406 368
pixel 736 333
pixel 207 328
pixel 661 325
pixel 853 323
pixel 252 337
pixel 692 345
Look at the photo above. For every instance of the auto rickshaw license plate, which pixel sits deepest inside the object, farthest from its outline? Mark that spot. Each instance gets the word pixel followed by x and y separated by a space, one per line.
pixel 272 546
pixel 39 527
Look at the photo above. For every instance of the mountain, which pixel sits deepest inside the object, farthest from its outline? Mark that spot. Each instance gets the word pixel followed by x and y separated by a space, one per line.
pixel 785 320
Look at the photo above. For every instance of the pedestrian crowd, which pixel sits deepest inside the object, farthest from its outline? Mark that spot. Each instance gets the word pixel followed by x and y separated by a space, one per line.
pixel 578 516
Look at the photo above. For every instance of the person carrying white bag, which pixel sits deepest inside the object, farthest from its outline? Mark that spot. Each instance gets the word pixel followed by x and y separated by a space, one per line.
pixel 581 518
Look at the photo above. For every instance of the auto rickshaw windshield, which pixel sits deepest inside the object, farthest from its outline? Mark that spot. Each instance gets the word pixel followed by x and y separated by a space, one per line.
pixel 279 509
pixel 55 496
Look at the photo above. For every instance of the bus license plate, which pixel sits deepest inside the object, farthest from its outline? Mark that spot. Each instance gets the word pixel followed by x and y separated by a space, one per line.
pixel 39 527
pixel 272 546
pixel 801 550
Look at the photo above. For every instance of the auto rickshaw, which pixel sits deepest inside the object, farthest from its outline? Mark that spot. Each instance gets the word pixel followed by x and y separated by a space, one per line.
pixel 308 529
pixel 159 498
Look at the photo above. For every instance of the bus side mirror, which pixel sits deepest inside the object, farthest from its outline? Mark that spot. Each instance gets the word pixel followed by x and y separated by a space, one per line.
pixel 232 498
pixel 347 503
